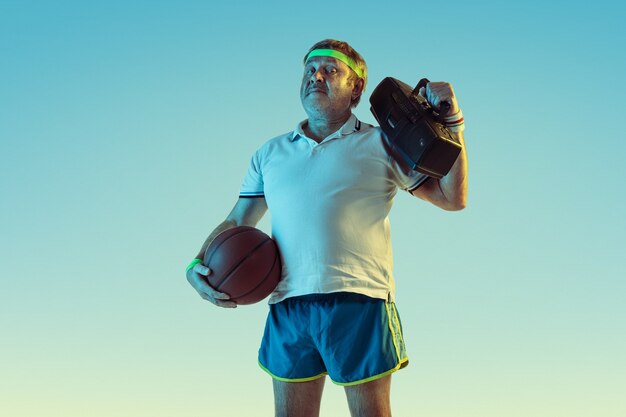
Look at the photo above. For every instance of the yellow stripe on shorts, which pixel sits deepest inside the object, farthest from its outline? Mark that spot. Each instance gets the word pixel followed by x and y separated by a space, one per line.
pixel 396 331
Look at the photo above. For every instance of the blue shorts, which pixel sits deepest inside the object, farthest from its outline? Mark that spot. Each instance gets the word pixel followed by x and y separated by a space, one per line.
pixel 350 337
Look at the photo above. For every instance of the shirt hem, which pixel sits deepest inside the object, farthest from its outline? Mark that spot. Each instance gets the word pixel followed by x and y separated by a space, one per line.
pixel 383 294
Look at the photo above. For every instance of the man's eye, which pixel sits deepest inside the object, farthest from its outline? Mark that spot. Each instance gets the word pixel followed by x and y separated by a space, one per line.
pixel 331 70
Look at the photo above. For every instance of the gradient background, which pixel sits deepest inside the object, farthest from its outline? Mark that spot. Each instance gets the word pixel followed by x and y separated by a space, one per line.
pixel 126 129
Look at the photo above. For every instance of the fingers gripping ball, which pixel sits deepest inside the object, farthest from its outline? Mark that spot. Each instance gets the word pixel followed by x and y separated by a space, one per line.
pixel 244 263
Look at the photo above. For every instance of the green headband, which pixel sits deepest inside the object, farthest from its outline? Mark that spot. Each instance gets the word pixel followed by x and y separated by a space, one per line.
pixel 337 55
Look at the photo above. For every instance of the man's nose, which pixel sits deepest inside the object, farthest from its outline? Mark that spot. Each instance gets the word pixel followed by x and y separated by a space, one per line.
pixel 316 76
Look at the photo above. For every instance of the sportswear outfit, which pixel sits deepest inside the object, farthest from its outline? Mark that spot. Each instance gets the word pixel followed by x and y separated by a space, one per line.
pixel 329 203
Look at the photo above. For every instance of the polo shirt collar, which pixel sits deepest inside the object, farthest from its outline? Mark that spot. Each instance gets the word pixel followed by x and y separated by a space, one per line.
pixel 350 126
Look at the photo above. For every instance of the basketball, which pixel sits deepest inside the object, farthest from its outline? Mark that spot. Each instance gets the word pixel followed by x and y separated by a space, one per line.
pixel 244 263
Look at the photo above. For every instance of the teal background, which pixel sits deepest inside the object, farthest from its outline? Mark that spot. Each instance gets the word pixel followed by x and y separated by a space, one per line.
pixel 126 129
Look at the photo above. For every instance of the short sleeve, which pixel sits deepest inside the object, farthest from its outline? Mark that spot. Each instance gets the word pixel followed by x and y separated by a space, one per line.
pixel 405 178
pixel 252 185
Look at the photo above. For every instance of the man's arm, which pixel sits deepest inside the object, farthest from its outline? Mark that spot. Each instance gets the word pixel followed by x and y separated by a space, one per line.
pixel 247 212
pixel 449 192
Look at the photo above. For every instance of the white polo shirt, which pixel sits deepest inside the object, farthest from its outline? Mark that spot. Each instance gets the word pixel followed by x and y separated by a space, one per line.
pixel 329 204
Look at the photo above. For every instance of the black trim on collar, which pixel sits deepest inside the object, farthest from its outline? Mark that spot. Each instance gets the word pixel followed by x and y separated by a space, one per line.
pixel 358 125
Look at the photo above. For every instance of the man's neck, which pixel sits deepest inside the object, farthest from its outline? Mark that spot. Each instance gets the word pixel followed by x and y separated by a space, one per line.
pixel 318 128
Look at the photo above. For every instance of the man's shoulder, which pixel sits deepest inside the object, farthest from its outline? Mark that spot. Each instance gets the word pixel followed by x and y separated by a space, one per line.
pixel 368 133
pixel 275 143
pixel 287 136
pixel 364 128
pixel 369 128
pixel 279 139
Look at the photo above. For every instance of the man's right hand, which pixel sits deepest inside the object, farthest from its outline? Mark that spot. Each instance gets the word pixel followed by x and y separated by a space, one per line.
pixel 197 278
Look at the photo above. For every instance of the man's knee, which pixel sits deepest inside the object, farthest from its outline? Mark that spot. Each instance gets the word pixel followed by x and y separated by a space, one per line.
pixel 298 399
pixel 371 399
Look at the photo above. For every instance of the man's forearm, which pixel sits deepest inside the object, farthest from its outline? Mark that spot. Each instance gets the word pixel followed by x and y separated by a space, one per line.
pixel 454 185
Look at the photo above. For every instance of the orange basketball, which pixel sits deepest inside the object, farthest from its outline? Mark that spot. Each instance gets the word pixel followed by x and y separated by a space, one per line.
pixel 244 263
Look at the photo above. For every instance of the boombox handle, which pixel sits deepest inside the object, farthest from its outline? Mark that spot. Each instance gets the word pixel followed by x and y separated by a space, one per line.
pixel 444 106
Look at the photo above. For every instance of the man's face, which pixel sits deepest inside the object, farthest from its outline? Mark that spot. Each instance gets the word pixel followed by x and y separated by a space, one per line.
pixel 327 87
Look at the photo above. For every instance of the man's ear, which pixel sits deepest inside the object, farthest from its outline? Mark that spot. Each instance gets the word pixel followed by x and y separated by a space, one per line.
pixel 357 90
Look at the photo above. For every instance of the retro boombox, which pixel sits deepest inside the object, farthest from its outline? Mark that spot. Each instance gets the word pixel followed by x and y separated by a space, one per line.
pixel 415 132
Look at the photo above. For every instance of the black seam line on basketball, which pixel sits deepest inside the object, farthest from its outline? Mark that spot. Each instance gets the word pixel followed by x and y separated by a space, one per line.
pixel 276 259
pixel 232 271
pixel 208 262
pixel 228 276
